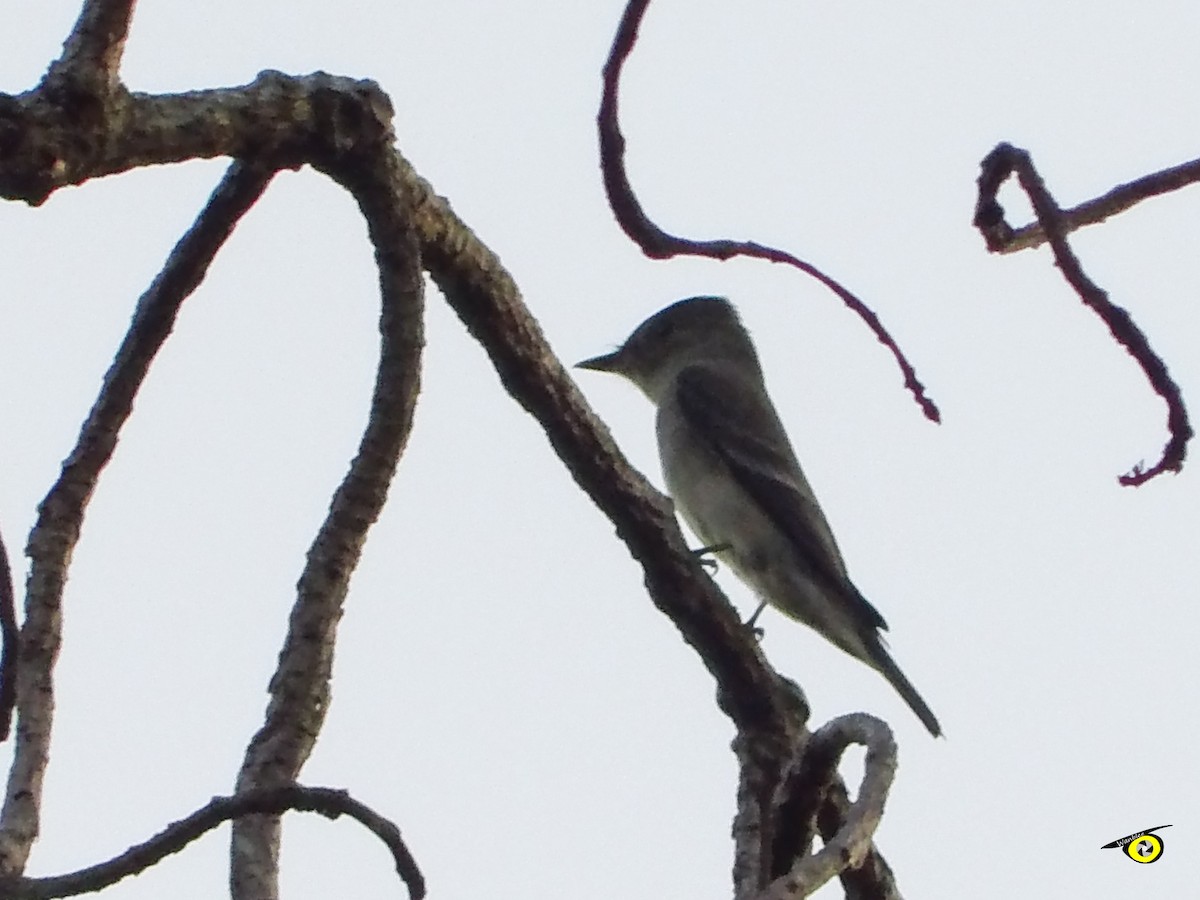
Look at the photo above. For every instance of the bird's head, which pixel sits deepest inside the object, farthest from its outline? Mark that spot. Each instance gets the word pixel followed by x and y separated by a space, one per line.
pixel 694 331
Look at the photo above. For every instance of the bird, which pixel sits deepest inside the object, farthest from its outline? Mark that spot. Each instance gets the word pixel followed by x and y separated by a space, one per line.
pixel 735 479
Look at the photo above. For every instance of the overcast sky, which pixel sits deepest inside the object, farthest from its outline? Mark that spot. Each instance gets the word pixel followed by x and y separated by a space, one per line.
pixel 503 688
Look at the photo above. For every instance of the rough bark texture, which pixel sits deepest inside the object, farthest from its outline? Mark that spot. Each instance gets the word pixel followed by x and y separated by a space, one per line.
pixel 80 123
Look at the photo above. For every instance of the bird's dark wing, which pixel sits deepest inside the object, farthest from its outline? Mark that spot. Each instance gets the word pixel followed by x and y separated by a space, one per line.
pixel 740 424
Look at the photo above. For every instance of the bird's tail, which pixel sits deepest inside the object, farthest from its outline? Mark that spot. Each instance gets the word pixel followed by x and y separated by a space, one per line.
pixel 883 661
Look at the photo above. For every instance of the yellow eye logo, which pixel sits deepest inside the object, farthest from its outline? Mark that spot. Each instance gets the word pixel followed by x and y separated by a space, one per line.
pixel 1141 846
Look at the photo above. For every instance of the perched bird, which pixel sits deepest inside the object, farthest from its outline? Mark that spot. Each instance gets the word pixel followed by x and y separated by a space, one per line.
pixel 735 479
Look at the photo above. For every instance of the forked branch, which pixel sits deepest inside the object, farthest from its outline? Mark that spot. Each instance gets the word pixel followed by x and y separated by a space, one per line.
pixel 300 687
pixel 801 796
pixel 996 167
pixel 343 128
pixel 176 836
pixel 60 516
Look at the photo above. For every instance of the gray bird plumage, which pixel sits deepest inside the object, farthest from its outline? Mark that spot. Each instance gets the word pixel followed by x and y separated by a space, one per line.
pixel 736 481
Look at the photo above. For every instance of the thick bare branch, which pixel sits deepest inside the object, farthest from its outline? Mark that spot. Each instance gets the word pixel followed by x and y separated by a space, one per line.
pixel 762 765
pixel 488 301
pixel 873 878
pixel 658 244
pixel 813 800
pixel 277 122
pixel 769 711
pixel 10 642
pixel 851 845
pixel 300 687
pixel 328 802
pixel 92 52
pixel 60 515
pixel 343 128
pixel 989 219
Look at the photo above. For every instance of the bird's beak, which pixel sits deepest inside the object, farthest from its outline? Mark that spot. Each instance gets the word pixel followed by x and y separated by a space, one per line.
pixel 610 362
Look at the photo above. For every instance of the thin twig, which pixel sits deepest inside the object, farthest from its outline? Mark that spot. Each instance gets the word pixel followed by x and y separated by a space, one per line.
pixel 1098 209
pixel 327 802
pixel 60 515
pixel 658 244
pixel 989 219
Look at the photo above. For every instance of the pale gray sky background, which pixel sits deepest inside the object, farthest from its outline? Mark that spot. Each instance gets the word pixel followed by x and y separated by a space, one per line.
pixel 503 687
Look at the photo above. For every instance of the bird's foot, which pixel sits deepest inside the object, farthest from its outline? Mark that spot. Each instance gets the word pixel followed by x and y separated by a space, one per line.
pixel 708 562
pixel 751 627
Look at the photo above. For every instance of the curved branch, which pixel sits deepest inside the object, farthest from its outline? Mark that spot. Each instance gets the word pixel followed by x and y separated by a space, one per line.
pixel 989 219
pixel 768 711
pixel 327 802
pixel 1003 238
pixel 300 687
pixel 60 515
pixel 850 846
pixel 658 244
pixel 342 127
pixel 813 799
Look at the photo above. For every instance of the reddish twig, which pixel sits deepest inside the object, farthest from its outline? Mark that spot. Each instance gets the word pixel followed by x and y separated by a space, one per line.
pixel 989 219
pixel 1002 238
pixel 328 802
pixel 658 244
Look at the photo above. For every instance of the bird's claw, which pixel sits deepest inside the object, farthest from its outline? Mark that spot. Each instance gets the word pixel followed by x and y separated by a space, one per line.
pixel 751 627
pixel 709 563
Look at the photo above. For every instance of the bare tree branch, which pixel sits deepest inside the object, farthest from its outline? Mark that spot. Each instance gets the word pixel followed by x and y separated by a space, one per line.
pixel 92 52
pixel 850 846
pixel 343 128
pixel 768 710
pixel 873 879
pixel 813 788
pixel 328 802
pixel 989 219
pixel 277 121
pixel 60 515
pixel 762 763
pixel 10 642
pixel 1003 238
pixel 658 244
pixel 764 706
pixel 486 298
pixel 300 687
